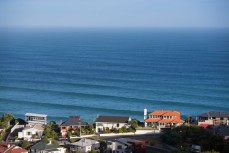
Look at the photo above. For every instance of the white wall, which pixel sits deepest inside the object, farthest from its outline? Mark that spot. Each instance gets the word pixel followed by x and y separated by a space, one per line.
pixel 114 147
pixel 209 122
pixel 24 134
pixel 109 125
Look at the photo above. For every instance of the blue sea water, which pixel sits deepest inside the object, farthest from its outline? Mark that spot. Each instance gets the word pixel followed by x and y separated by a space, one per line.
pixel 63 72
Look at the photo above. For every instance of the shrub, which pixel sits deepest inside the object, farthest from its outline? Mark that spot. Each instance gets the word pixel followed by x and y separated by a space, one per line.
pixel 25 144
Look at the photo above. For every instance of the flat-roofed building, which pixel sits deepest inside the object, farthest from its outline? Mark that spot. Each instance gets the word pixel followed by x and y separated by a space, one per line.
pixel 32 118
pixel 213 118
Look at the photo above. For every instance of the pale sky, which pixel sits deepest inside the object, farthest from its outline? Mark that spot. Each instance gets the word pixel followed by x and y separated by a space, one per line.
pixel 114 13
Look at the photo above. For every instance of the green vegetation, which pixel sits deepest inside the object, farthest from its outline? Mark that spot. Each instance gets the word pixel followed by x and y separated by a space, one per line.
pixel 120 130
pixel 51 131
pixel 5 120
pixel 25 144
pixel 133 124
pixel 103 146
pixel 81 131
pixel 5 123
pixel 197 135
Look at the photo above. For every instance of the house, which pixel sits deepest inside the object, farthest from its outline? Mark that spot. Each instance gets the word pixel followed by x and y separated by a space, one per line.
pixel 73 122
pixel 137 146
pixel 8 148
pixel 32 118
pixel 110 122
pixel 43 147
pixel 126 145
pixel 114 146
pixel 31 132
pixel 162 118
pixel 84 145
pixel 213 118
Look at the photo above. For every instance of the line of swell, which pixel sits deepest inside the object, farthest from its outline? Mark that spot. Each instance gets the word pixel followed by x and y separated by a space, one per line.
pixel 115 98
pixel 99 86
pixel 108 79
pixel 123 72
pixel 70 107
pixel 115 63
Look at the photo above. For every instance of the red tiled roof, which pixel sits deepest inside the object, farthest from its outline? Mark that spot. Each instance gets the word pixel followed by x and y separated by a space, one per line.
pixel 165 113
pixel 152 120
pixel 171 113
pixel 178 120
pixel 11 149
pixel 165 121
pixel 157 112
pixel 18 150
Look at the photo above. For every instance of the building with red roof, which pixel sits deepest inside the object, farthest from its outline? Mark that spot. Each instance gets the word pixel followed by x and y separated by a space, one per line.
pixel 8 148
pixel 162 118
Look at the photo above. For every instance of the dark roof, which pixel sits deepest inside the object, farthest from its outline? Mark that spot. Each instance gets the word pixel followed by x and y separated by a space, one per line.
pixel 44 146
pixel 74 120
pixel 113 119
pixel 215 114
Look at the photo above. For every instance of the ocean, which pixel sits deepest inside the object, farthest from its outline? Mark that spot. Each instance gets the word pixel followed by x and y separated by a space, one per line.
pixel 87 72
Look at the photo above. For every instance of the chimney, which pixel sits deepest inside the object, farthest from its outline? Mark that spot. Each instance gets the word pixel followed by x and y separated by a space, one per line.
pixel 60 122
pixel 145 116
pixel 97 116
pixel 145 113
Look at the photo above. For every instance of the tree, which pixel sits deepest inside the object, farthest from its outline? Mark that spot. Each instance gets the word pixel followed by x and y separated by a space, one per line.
pixel 134 124
pixel 103 147
pixel 44 139
pixel 188 119
pixel 7 117
pixel 5 120
pixel 25 144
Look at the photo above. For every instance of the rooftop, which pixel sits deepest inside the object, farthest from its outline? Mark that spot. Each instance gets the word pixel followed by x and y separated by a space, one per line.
pixel 113 119
pixel 160 120
pixel 35 126
pixel 8 148
pixel 165 113
pixel 74 121
pixel 44 146
pixel 85 142
pixel 32 114
pixel 215 114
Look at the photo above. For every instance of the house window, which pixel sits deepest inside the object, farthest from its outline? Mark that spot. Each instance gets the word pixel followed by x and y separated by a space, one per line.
pixel 221 118
pixel 118 125
pixel 29 133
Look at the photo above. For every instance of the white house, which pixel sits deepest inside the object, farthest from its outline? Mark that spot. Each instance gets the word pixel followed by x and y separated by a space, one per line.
pixel 43 147
pixel 110 122
pixel 115 146
pixel 30 130
pixel 84 145
pixel 32 118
